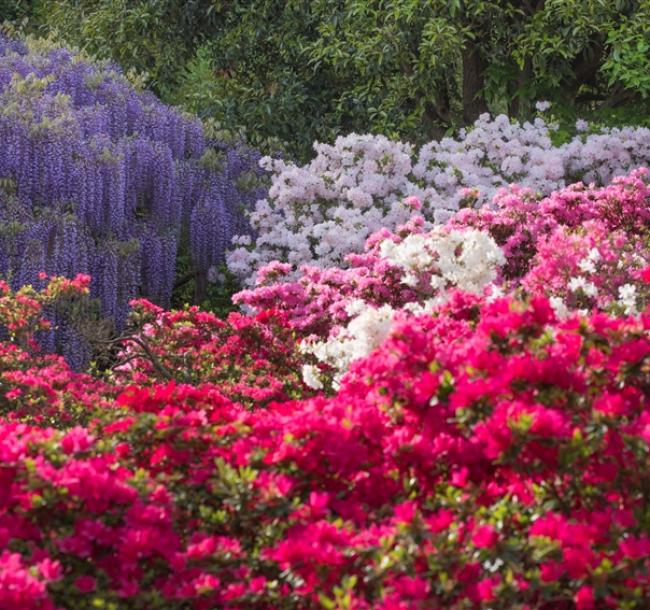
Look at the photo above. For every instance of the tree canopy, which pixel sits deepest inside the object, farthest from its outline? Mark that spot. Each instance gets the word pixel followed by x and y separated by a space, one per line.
pixel 301 70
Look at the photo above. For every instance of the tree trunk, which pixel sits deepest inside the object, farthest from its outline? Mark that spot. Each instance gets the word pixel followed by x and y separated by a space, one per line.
pixel 585 69
pixel 473 82
pixel 519 104
pixel 200 288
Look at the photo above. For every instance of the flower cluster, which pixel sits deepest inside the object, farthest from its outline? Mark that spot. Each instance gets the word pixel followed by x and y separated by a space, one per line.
pixel 36 387
pixel 98 178
pixel 502 467
pixel 251 359
pixel 582 247
pixel 585 246
pixel 465 259
pixel 411 266
pixel 431 265
pixel 318 213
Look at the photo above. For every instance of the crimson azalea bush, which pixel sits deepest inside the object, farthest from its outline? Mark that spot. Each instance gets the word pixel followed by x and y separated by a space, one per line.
pixel 253 359
pixel 36 386
pixel 504 467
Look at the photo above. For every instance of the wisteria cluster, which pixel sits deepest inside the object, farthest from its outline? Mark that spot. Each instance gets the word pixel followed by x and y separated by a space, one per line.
pixel 318 213
pixel 99 178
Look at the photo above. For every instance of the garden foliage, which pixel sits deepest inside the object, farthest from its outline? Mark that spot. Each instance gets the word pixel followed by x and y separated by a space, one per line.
pixel 436 391
pixel 310 70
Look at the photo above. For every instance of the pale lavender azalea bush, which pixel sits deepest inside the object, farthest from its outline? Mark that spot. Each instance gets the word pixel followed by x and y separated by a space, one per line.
pixel 318 213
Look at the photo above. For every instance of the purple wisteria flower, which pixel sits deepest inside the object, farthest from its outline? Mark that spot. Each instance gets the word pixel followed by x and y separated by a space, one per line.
pixel 98 178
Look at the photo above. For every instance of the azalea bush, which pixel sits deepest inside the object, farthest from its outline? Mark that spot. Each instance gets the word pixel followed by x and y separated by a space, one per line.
pixel 319 212
pixel 252 359
pixel 411 266
pixel 35 386
pixel 584 248
pixel 503 467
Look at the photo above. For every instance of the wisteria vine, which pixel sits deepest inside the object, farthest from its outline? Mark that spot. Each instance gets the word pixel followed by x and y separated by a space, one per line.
pixel 102 179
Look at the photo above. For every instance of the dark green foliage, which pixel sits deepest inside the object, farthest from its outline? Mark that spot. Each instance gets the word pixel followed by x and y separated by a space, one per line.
pixel 14 11
pixel 306 70
pixel 151 37
pixel 296 71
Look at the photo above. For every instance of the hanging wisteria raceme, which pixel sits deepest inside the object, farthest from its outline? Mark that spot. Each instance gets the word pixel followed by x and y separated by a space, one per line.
pixel 98 178
pixel 218 213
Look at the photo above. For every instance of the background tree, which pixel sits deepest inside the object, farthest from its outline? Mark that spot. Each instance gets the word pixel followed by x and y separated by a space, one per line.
pixel 152 37
pixel 15 10
pixel 301 70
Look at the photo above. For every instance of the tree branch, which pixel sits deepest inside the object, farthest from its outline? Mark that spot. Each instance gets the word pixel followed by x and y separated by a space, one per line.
pixel 184 279
pixel 148 354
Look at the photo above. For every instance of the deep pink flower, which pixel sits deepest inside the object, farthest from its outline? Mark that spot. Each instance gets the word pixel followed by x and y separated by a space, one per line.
pixel 486 588
pixel 485 537
pixel 85 584
pixel 584 598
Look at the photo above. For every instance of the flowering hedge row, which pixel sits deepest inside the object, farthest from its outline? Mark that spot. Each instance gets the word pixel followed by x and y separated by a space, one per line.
pixel 488 450
pixel 504 467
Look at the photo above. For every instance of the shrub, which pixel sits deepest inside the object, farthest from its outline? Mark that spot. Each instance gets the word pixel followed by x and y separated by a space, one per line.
pixel 317 213
pixel 252 359
pixel 36 387
pixel 487 453
pixel 584 248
